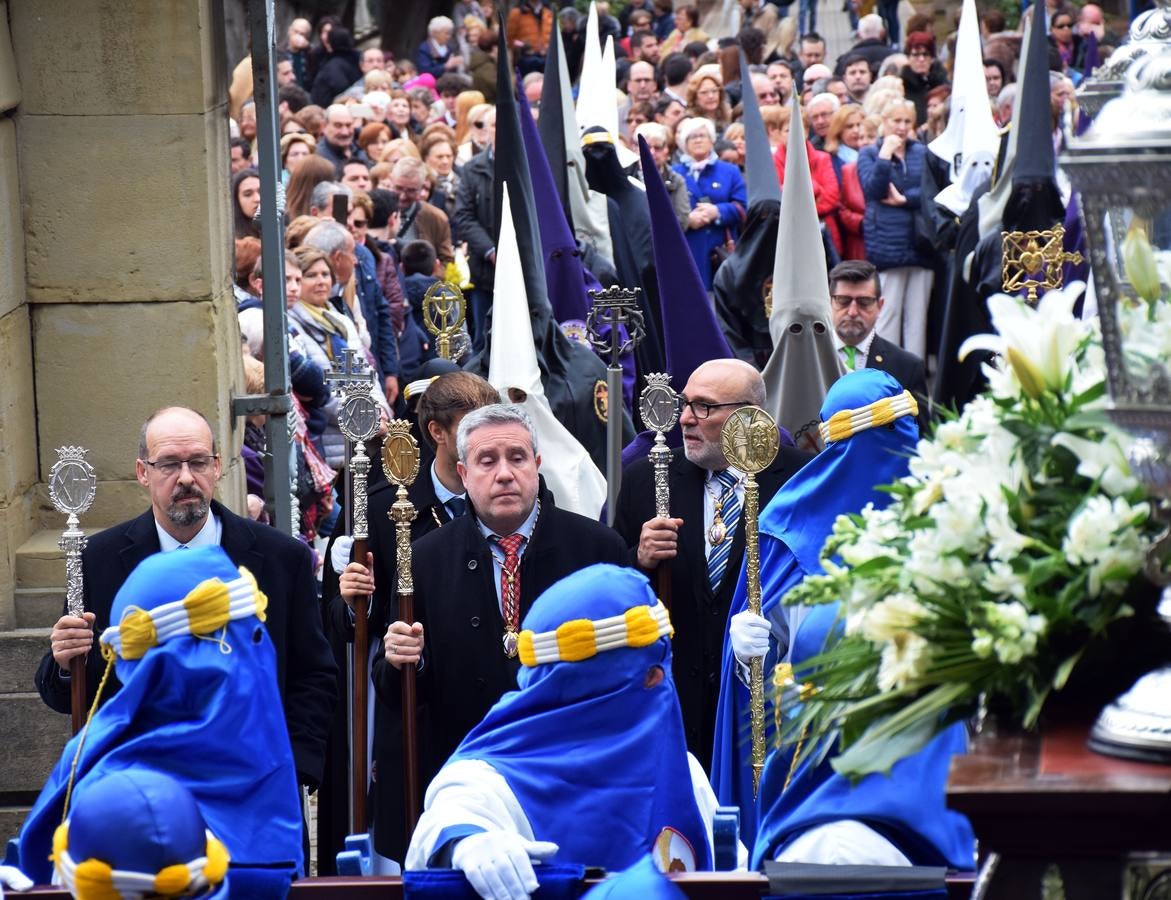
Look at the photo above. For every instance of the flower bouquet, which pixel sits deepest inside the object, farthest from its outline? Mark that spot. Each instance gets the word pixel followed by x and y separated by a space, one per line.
pixel 1007 552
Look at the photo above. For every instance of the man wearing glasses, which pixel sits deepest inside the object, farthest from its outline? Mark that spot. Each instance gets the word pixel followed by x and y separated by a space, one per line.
pixel 703 544
pixel 855 302
pixel 179 465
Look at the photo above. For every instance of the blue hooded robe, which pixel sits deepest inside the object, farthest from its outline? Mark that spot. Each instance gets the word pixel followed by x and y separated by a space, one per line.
pixel 203 709
pixel 597 761
pixel 793 529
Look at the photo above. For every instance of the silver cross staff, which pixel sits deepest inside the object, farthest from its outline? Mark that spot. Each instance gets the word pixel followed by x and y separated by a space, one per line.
pixel 352 383
pixel 72 485
pixel 659 407
pixel 615 326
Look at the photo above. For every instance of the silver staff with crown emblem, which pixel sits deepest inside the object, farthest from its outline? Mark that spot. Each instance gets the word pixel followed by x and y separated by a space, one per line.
pixel 658 404
pixel 352 382
pixel 72 485
pixel 615 326
pixel 750 442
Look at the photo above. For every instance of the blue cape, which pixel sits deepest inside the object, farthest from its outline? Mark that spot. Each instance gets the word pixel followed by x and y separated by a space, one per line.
pixel 209 718
pixel 907 807
pixel 597 761
pixel 793 529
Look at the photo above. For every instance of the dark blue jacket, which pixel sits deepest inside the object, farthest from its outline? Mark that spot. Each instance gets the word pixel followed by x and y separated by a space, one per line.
pixel 722 184
pixel 889 231
pixel 383 343
pixel 427 61
pixel 414 287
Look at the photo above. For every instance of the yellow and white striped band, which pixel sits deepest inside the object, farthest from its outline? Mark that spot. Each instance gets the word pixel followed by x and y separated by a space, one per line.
pixel 207 608
pixel 848 422
pixel 417 387
pixel 597 137
pixel 581 639
pixel 93 879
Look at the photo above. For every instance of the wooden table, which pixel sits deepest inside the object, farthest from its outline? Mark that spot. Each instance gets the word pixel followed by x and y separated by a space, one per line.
pixel 1045 799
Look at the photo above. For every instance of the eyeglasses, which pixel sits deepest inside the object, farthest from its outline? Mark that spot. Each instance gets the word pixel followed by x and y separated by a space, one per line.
pixel 919 53
pixel 1063 25
pixel 841 301
pixel 360 223
pixel 702 410
pixel 199 465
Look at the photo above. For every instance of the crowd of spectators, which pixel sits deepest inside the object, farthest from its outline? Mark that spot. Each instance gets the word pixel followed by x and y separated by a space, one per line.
pixel 409 144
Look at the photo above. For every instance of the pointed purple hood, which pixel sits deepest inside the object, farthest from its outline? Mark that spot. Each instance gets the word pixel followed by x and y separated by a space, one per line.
pixel 564 275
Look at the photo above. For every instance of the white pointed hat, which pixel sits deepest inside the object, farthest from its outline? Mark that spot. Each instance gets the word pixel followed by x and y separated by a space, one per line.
pixel 576 483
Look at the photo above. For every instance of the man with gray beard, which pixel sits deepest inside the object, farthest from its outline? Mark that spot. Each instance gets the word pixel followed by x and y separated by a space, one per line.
pixel 702 545
pixel 178 463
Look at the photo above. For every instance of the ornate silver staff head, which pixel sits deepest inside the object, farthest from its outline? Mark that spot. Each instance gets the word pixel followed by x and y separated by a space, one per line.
pixel 614 309
pixel 72 485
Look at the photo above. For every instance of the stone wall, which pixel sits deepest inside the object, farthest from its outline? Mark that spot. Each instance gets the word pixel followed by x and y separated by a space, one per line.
pixel 122 131
pixel 115 292
pixel 18 442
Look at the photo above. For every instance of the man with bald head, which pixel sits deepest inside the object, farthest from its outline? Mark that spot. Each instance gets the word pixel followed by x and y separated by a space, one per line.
pixel 337 137
pixel 702 544
pixel 179 464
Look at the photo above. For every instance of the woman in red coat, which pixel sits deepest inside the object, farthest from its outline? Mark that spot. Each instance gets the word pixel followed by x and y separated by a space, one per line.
pixel 826 195
pixel 851 212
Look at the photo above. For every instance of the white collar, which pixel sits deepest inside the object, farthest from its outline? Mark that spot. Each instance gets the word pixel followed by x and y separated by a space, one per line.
pixel 862 346
pixel 207 536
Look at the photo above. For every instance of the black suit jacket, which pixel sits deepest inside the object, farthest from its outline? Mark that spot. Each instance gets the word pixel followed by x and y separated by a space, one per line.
pixel 283 568
pixel 699 614
pixel 385 809
pixel 907 369
pixel 464 668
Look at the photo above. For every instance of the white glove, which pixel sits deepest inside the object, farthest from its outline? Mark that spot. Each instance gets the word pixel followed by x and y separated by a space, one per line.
pixel 12 877
pixel 339 553
pixel 750 635
pixel 498 864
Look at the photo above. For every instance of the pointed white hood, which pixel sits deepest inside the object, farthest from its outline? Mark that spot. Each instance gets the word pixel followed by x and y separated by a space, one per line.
pixel 992 204
pixel 591 221
pixel 597 92
pixel 571 475
pixel 804 362
pixel 970 142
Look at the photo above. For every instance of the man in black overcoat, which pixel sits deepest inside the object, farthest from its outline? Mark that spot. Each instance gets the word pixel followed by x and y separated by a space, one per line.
pixel 438 496
pixel 699 609
pixel 179 465
pixel 468 609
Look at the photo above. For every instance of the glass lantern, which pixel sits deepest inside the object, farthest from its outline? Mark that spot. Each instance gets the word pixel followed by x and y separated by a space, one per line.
pixel 1121 168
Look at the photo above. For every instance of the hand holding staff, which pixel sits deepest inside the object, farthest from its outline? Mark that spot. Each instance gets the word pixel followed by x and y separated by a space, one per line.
pixel 72 485
pixel 750 442
pixel 400 462
pixel 659 407
pixel 358 415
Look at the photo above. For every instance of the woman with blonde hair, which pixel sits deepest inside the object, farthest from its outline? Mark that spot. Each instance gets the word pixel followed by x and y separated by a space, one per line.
pixel 475 137
pixel 706 100
pixel 845 136
pixel 465 103
pixel 397 149
pixel 890 171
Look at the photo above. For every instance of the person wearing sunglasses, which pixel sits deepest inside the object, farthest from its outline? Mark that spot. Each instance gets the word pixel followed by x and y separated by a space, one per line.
pixel 703 544
pixel 855 299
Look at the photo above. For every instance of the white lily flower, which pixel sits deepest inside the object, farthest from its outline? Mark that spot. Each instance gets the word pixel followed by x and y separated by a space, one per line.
pixel 1104 459
pixel 893 614
pixel 904 659
pixel 1039 343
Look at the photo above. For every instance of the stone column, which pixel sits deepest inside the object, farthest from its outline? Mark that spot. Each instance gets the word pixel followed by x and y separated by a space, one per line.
pixel 18 431
pixel 122 135
pixel 115 291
